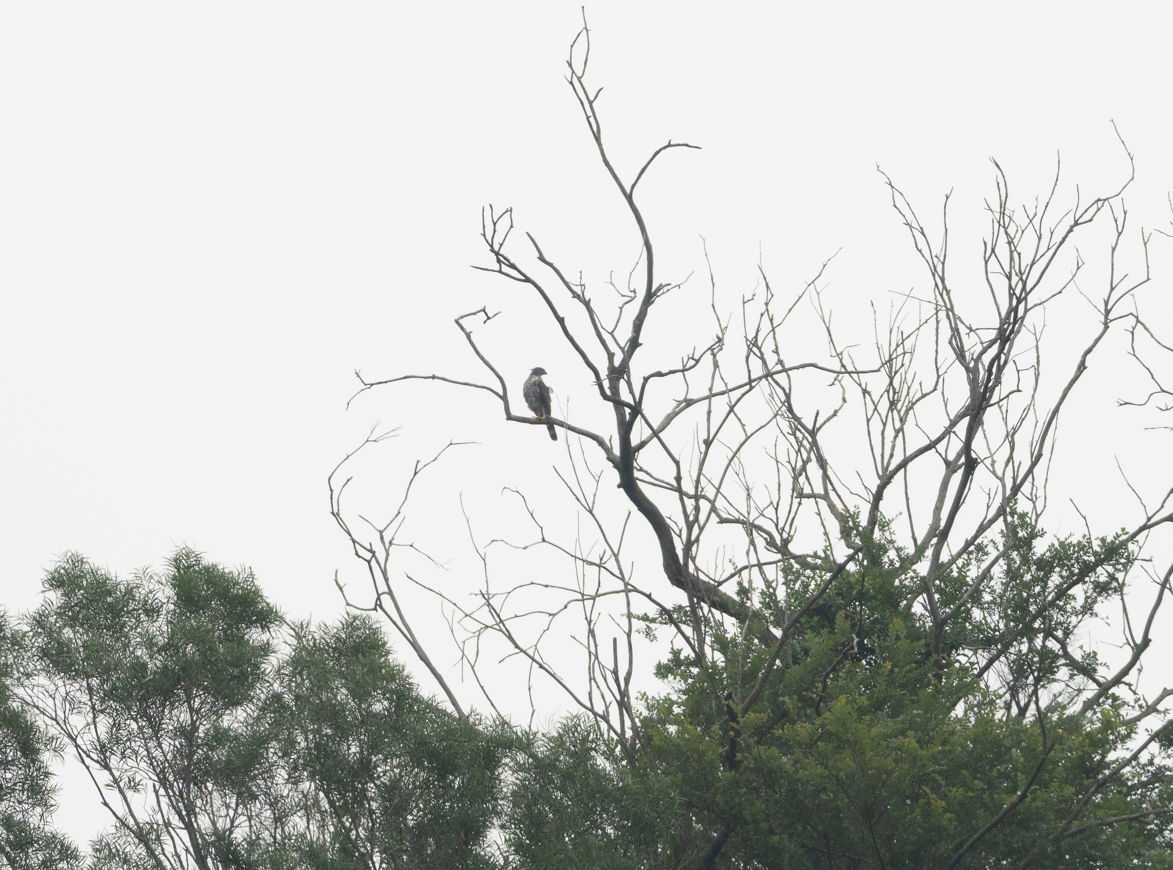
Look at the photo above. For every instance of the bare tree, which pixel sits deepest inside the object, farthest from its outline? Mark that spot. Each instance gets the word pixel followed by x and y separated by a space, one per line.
pixel 741 462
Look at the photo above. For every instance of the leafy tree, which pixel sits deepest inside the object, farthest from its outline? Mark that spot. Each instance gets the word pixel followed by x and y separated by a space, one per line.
pixel 142 677
pixel 217 739
pixel 871 652
pixel 27 840
pixel 383 776
pixel 860 750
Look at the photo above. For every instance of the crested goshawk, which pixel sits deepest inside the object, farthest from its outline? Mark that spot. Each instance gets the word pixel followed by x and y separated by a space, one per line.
pixel 537 396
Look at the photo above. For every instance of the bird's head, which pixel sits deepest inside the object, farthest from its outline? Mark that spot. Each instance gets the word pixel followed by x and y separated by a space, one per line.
pixel 538 371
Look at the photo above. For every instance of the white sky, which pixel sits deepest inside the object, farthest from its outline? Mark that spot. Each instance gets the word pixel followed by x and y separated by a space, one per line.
pixel 211 214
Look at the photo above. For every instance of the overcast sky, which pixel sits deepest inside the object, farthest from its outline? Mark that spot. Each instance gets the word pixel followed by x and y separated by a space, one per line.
pixel 211 214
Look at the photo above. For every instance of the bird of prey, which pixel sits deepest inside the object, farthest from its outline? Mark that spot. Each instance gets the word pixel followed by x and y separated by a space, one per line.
pixel 537 396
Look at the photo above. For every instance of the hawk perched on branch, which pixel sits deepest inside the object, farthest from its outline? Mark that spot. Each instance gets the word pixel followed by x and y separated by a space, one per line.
pixel 537 396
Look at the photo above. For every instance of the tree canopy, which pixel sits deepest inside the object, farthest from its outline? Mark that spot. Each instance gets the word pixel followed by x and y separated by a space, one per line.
pixel 217 736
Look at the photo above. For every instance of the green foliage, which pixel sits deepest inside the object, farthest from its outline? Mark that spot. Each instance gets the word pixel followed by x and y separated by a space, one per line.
pixel 866 749
pixel 227 739
pixel 27 841
pixel 573 802
pixel 390 776
pixel 142 677
pixel 223 743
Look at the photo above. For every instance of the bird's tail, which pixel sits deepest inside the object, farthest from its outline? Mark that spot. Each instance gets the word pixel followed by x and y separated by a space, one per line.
pixel 552 431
